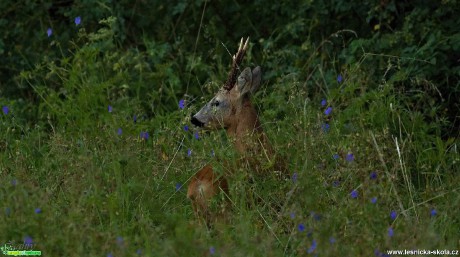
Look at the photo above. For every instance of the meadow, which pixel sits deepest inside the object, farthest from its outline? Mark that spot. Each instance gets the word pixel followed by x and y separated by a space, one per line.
pixel 98 164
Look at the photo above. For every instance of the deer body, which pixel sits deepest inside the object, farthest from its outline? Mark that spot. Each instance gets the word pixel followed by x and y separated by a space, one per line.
pixel 230 109
pixel 203 186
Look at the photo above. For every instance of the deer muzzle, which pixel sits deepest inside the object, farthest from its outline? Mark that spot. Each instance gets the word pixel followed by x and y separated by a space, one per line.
pixel 195 121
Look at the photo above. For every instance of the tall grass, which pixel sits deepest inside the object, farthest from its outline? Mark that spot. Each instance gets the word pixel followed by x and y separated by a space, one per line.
pixel 87 180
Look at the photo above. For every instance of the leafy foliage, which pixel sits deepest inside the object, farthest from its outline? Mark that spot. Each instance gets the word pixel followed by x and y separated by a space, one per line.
pixel 360 97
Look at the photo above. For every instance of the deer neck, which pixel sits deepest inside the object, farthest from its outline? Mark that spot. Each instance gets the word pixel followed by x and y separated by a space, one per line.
pixel 246 130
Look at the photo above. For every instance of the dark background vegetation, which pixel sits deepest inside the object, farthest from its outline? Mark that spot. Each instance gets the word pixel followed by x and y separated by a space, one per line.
pixel 179 44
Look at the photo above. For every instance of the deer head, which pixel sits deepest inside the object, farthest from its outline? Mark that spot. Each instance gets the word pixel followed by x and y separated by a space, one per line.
pixel 230 108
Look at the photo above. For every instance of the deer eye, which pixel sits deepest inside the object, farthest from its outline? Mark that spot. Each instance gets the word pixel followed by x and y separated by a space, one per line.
pixel 215 103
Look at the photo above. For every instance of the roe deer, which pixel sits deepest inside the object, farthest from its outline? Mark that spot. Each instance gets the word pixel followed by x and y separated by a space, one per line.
pixel 231 109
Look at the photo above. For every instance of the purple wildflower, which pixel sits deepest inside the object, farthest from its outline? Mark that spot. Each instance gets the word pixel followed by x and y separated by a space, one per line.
pixel 335 156
pixel 294 177
pixel 354 194
pixel 332 240
pixel 374 200
pixel 110 108
pixel 28 240
pixel 49 32
pixel 38 210
pixel 323 102
pixel 301 227
pixel 433 212
pixel 145 135
pixel 212 250
pixel 393 215
pixel 339 78
pixel 292 214
pixel 178 186
pixel 186 128
pixel 120 241
pixel 350 157
pixel 181 104
pixel 312 247
pixel 189 152
pixel 77 20
pixel 325 127
pixel 390 232
pixel 328 111
pixel 119 131
pixel 5 110
pixel 197 136
pixel 373 175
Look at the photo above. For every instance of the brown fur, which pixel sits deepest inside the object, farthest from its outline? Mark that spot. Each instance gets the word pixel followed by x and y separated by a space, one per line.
pixel 203 187
pixel 251 142
pixel 241 121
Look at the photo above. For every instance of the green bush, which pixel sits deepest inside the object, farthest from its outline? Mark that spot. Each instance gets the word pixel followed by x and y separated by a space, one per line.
pixel 94 143
pixel 181 42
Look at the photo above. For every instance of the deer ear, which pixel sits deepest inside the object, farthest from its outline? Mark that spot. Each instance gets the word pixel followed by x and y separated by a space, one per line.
pixel 256 78
pixel 244 81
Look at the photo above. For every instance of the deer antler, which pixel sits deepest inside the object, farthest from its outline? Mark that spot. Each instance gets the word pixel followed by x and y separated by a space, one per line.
pixel 237 59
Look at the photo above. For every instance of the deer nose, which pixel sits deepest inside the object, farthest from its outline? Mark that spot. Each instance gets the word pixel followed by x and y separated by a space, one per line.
pixel 196 122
